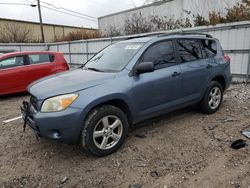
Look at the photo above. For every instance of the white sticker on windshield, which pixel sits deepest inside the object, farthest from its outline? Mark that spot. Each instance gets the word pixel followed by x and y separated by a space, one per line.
pixel 132 47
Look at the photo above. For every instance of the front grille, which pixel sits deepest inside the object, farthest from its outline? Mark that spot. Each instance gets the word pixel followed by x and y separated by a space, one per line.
pixel 34 102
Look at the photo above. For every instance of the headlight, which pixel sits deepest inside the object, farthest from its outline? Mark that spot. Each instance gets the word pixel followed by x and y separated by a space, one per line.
pixel 58 103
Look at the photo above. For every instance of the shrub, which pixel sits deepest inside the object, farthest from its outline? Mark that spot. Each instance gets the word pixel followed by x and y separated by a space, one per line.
pixel 79 35
pixel 239 12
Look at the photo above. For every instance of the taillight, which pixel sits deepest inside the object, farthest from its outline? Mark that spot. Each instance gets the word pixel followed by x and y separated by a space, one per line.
pixel 66 65
pixel 227 58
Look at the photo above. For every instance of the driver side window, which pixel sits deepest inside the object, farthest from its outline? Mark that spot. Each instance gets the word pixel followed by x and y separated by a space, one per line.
pixel 160 54
pixel 12 62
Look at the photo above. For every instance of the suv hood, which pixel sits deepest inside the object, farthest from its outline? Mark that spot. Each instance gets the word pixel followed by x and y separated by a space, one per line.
pixel 67 82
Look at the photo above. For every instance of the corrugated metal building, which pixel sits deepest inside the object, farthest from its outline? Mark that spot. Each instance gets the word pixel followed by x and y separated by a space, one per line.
pixel 51 31
pixel 176 9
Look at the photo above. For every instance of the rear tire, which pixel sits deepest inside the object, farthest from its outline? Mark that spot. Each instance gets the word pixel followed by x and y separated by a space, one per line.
pixel 212 98
pixel 104 130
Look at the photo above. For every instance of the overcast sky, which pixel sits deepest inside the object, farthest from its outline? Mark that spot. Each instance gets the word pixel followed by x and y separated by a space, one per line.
pixel 94 8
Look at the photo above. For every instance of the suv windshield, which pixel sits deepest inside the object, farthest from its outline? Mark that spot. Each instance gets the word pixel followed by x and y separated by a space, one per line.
pixel 113 58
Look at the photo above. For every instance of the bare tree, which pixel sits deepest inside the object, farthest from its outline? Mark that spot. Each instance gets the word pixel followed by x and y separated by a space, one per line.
pixel 137 24
pixel 140 24
pixel 112 31
pixel 168 23
pixel 15 33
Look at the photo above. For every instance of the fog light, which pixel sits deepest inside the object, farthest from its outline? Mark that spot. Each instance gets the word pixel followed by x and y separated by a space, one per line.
pixel 56 134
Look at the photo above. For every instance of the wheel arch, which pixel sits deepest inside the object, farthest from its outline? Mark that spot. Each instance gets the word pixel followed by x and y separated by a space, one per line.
pixel 117 102
pixel 221 80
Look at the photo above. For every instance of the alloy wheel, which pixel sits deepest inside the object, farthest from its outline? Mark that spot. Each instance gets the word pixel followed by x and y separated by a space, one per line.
pixel 214 98
pixel 107 132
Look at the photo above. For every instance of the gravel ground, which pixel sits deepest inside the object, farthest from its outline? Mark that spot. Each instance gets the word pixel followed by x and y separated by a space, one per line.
pixel 182 149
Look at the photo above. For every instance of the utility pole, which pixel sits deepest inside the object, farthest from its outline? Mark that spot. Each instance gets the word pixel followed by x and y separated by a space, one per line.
pixel 41 21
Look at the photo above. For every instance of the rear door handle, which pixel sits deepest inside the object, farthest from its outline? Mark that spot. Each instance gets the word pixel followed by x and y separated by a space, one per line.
pixel 176 74
pixel 209 66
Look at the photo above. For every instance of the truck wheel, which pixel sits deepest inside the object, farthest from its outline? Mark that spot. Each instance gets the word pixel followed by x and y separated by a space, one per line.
pixel 212 98
pixel 104 130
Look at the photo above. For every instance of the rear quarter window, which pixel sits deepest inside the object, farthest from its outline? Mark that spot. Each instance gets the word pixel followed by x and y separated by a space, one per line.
pixel 41 58
pixel 209 48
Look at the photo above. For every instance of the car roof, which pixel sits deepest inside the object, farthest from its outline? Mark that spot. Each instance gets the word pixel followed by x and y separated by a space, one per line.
pixel 26 53
pixel 169 36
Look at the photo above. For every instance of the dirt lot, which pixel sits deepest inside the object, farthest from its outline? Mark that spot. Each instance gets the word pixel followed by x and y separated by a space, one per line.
pixel 182 149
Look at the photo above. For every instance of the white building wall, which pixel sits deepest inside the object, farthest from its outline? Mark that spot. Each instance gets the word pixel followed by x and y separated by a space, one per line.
pixel 169 8
pixel 203 7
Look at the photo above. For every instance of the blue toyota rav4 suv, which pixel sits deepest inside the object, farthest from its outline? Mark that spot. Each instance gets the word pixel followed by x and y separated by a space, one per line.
pixel 125 83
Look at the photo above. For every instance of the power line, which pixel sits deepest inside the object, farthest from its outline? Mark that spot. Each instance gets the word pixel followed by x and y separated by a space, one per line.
pixel 69 13
pixel 69 10
pixel 16 4
pixel 90 19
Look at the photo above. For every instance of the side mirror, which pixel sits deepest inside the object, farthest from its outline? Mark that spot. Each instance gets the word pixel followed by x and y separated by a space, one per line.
pixel 144 67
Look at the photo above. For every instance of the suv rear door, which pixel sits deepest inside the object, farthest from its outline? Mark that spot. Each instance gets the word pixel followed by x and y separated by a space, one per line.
pixel 40 65
pixel 195 68
pixel 156 91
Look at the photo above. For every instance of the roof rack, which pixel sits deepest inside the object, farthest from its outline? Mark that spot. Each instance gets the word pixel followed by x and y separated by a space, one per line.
pixel 162 34
pixel 186 33
pixel 144 35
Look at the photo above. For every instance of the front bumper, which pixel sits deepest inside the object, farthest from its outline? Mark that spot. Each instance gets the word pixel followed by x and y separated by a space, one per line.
pixel 63 126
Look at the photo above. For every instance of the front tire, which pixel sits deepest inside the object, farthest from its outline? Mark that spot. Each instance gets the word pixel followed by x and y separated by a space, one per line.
pixel 104 130
pixel 212 98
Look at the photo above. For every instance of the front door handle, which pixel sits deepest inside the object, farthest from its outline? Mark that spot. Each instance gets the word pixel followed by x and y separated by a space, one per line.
pixel 176 74
pixel 209 66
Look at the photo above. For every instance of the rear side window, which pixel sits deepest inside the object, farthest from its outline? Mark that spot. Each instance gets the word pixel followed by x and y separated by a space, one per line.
pixel 189 50
pixel 209 48
pixel 12 62
pixel 40 58
pixel 161 54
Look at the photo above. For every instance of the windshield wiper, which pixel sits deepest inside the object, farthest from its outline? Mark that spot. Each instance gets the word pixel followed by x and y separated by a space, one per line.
pixel 94 69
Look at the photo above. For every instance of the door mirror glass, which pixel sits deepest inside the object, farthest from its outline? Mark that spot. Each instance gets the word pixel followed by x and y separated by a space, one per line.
pixel 144 67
